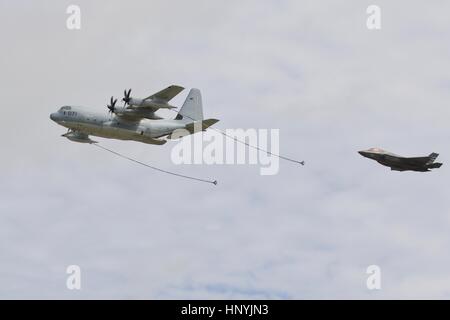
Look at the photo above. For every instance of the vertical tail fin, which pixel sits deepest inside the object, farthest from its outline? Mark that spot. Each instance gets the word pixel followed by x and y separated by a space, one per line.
pixel 192 108
pixel 432 157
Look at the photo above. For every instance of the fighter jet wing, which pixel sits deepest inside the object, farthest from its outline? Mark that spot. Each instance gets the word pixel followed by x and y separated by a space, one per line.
pixel 167 94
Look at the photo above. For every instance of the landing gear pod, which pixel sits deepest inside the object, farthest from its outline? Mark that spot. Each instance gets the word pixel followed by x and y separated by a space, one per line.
pixel 78 137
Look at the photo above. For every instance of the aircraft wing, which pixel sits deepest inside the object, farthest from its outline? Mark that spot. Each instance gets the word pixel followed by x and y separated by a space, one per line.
pixel 167 94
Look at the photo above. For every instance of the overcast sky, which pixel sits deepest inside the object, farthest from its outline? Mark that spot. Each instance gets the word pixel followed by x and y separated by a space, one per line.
pixel 309 68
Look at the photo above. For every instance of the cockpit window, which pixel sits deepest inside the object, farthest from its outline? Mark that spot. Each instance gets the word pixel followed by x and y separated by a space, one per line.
pixel 65 108
pixel 66 111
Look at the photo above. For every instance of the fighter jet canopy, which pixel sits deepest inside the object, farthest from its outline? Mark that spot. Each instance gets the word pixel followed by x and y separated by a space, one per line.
pixel 376 150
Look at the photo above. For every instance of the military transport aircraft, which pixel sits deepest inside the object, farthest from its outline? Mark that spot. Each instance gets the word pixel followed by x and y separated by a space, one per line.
pixel 399 163
pixel 136 119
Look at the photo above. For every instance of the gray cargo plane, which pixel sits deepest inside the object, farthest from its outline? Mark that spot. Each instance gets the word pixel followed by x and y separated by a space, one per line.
pixel 399 163
pixel 136 120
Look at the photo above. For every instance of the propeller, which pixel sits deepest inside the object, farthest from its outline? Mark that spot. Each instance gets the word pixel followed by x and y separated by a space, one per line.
pixel 126 96
pixel 112 105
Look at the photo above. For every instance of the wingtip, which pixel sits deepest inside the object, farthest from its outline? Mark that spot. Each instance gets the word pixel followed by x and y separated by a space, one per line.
pixel 177 86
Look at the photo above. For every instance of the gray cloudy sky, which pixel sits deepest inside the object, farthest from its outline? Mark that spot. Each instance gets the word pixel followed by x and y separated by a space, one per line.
pixel 310 68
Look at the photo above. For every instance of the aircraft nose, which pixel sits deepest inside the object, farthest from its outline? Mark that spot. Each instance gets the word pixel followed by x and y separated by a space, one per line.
pixel 55 116
pixel 363 153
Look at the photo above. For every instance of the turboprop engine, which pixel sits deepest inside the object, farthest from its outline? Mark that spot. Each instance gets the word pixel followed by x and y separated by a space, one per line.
pixel 145 103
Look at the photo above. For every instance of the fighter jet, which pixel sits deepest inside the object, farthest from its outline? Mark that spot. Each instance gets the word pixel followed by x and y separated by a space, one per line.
pixel 136 119
pixel 399 163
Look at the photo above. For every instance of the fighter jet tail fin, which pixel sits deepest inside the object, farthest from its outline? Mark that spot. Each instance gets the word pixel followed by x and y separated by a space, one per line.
pixel 192 109
pixel 433 156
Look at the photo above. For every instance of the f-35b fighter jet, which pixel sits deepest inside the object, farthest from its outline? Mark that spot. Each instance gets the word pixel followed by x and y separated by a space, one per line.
pixel 399 163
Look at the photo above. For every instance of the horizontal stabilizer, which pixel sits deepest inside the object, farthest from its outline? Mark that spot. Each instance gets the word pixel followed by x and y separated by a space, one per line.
pixel 192 128
pixel 435 165
pixel 200 125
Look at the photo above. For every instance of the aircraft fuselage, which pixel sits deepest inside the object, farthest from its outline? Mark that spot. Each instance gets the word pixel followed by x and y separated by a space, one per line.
pixel 114 127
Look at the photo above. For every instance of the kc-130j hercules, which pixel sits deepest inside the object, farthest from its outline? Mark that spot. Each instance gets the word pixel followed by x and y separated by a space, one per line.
pixel 399 163
pixel 136 120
